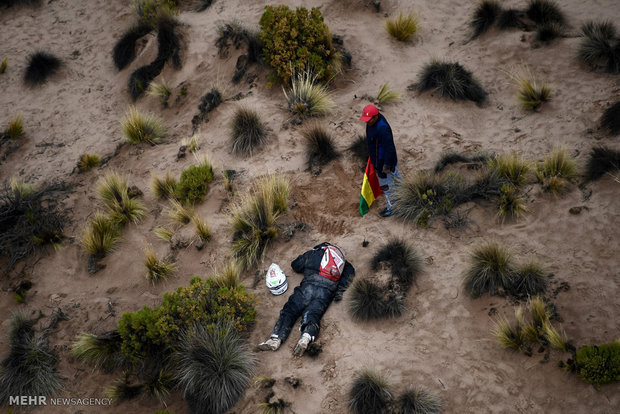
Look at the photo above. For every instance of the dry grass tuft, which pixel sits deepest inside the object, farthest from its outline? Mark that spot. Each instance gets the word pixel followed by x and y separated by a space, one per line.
pixel 163 187
pixel 387 95
pixel 307 96
pixel 490 270
pixel 157 269
pixel 88 162
pixel 138 127
pixel 402 27
pixel 15 129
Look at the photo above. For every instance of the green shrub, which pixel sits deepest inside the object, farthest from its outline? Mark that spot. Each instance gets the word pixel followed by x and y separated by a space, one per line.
pixel 194 183
pixel 402 27
pixel 297 40
pixel 599 364
pixel 148 331
pixel 150 12
pixel 4 65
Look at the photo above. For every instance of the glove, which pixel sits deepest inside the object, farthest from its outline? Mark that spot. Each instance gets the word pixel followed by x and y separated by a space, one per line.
pixel 338 296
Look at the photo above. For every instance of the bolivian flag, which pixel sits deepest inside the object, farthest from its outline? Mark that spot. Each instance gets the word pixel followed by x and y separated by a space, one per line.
pixel 370 188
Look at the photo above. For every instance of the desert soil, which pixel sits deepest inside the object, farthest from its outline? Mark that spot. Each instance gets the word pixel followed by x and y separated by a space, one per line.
pixel 443 341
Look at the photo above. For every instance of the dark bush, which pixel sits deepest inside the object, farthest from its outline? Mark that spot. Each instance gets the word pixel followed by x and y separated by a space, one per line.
pixel 194 183
pixel 125 49
pixel 366 300
pixel 545 11
pixel 100 351
pixel 150 332
pixel 247 131
pixel 369 394
pixel 490 270
pixel 426 195
pixel 297 41
pixel 30 367
pixel 320 148
pixel 509 19
pixel 450 157
pixel 359 148
pixel 610 120
pixel 528 281
pixel 450 80
pixel 10 3
pixel 405 263
pixel 141 78
pixel 485 15
pixel 599 364
pixel 546 32
pixel 418 401
pixel 597 48
pixel 29 218
pixel 601 161
pixel 214 368
pixel 168 42
pixel 41 65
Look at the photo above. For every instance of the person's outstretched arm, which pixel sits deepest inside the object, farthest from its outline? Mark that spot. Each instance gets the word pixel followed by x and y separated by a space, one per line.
pixel 300 263
pixel 348 273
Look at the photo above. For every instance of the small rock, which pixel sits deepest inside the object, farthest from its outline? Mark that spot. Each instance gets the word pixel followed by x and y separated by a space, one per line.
pixel 181 153
pixel 295 382
pixel 577 210
pixel 337 39
pixel 111 290
pixel 134 192
pixel 492 311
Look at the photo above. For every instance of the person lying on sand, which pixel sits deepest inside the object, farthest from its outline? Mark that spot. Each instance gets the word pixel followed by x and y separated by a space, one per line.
pixel 327 275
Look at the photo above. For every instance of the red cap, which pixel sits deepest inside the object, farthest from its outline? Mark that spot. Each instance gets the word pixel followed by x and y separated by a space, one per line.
pixel 368 112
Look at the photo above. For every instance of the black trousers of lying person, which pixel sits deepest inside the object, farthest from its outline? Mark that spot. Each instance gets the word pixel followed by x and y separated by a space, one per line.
pixel 322 283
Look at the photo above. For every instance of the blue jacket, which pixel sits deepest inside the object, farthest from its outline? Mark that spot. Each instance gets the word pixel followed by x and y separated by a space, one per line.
pixel 381 147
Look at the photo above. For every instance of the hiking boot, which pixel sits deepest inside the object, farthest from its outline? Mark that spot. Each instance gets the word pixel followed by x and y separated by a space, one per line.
pixel 387 212
pixel 302 344
pixel 271 344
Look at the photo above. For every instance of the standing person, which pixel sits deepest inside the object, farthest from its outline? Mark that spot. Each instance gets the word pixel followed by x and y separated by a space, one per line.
pixel 382 153
pixel 327 275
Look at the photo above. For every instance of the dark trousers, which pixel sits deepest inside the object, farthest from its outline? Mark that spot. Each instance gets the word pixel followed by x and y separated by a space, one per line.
pixel 308 301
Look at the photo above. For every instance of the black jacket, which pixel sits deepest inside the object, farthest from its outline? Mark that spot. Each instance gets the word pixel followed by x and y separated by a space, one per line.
pixel 309 264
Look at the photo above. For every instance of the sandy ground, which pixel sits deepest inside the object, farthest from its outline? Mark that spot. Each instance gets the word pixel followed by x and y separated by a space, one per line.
pixel 443 340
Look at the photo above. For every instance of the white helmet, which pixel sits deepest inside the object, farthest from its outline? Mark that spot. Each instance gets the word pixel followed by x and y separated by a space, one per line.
pixel 276 280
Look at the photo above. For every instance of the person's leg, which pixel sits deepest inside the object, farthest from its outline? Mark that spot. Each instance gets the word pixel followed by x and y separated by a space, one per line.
pixel 291 310
pixel 387 185
pixel 311 318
